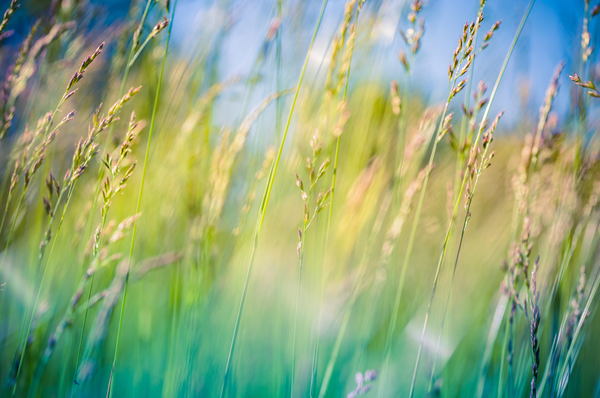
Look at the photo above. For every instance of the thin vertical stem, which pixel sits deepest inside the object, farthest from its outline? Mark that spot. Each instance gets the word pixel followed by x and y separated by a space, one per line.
pixel 315 361
pixel 39 290
pixel 459 196
pixel 302 241
pixel 264 205
pixel 139 202
pixel 12 228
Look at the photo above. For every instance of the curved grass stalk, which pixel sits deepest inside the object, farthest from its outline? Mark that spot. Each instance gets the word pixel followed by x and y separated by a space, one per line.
pixel 62 217
pixel 355 292
pixel 580 324
pixel 39 290
pixel 264 205
pixel 582 108
pixel 168 388
pixel 459 196
pixel 315 359
pixel 84 153
pixel 541 125
pixel 436 139
pixel 301 253
pixel 47 133
pixel 278 61
pixel 493 333
pixel 61 328
pixel 12 228
pixel 128 66
pixel 278 115
pixel 482 166
pixel 139 201
pixel 8 199
pixel 460 160
pixel 85 315
pixel 587 259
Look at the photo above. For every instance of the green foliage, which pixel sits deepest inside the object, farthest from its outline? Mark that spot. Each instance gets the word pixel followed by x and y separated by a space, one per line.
pixel 419 250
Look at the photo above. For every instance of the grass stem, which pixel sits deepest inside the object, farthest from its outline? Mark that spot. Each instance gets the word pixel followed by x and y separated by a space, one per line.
pixel 139 201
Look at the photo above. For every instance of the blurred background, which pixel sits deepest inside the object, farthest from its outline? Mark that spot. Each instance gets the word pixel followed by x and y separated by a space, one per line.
pixel 218 122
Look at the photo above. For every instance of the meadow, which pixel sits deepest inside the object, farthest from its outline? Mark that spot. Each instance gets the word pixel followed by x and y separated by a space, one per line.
pixel 172 229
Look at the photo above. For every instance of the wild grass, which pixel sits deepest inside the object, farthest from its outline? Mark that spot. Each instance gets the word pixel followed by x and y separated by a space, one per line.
pixel 176 281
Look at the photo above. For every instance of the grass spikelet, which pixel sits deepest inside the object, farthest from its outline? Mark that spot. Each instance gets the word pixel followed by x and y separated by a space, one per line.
pixel 361 303
pixel 264 205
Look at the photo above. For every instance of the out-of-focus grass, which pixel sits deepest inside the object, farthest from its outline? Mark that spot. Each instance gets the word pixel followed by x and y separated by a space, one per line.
pixel 207 169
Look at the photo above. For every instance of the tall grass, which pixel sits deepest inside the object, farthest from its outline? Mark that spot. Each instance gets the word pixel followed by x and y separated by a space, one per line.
pixel 155 31
pixel 265 202
pixel 163 290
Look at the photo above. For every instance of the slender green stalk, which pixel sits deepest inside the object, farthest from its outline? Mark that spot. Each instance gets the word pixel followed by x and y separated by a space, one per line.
pixel 503 355
pixel 278 62
pixel 315 360
pixel 65 365
pixel 411 239
pixel 459 196
pixel 278 115
pixel 482 165
pixel 355 292
pixel 168 386
pixel 39 290
pixel 503 359
pixel 302 241
pixel 90 220
pixel 566 361
pixel 582 97
pixel 264 205
pixel 12 228
pixel 8 198
pixel 495 327
pixel 16 214
pixel 22 328
pixel 62 217
pixel 85 315
pixel 38 157
pixel 128 66
pixel 139 201
pixel 460 160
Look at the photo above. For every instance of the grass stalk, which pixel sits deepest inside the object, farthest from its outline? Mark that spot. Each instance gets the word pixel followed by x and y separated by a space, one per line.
pixel 139 201
pixel 12 228
pixel 315 359
pixel 459 196
pixel 413 232
pixel 26 185
pixel 355 292
pixel 566 361
pixel 294 336
pixel 39 290
pixel 264 205
pixel 128 65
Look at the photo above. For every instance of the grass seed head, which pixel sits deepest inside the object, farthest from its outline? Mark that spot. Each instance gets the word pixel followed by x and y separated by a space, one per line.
pixel 12 7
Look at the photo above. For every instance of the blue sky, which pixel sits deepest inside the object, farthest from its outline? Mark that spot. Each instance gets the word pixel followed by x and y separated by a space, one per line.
pixel 551 35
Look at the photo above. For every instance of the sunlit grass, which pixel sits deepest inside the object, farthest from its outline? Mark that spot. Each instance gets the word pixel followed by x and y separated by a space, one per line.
pixel 420 249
